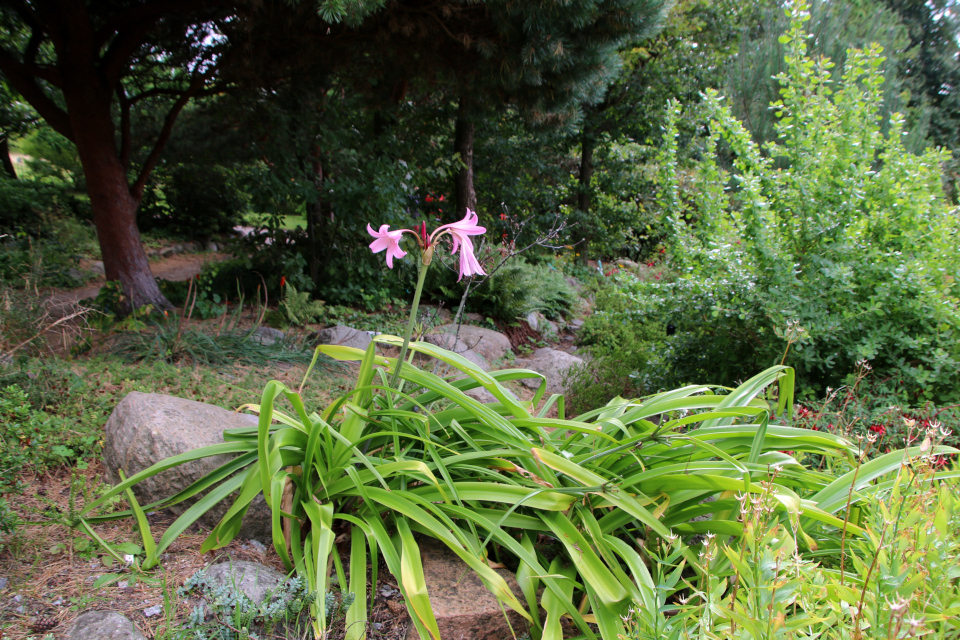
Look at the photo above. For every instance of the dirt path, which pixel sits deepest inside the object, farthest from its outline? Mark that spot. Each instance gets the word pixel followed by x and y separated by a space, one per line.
pixel 176 268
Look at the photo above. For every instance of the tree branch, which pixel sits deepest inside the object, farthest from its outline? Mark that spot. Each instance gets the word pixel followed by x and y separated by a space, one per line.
pixel 25 82
pixel 195 88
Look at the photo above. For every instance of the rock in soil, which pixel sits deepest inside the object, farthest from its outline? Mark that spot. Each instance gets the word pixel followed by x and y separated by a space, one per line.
pixel 551 363
pixel 492 345
pixel 146 428
pixel 268 335
pixel 256 581
pixel 463 606
pixel 343 336
pixel 103 625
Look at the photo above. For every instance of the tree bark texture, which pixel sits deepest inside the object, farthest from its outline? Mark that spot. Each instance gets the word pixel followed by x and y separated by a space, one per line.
pixel 5 157
pixel 111 199
pixel 465 196
pixel 314 211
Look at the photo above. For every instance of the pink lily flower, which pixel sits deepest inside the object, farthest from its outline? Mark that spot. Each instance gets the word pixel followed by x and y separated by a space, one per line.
pixel 459 232
pixel 389 240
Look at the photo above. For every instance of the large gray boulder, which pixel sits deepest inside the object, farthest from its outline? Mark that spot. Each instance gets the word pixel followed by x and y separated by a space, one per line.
pixel 492 345
pixel 463 606
pixel 146 428
pixel 344 336
pixel 102 625
pixel 553 364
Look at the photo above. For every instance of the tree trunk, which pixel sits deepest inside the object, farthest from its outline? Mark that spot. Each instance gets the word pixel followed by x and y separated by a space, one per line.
pixel 314 211
pixel 5 157
pixel 114 206
pixel 587 144
pixel 465 196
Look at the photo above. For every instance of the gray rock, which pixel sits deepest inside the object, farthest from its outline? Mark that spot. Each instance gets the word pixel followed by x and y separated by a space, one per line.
pixel 75 273
pixel 553 364
pixel 573 282
pixel 481 395
pixel 492 345
pixel 345 336
pixel 97 267
pixel 551 328
pixel 256 581
pixel 213 246
pixel 166 252
pixel 472 318
pixel 268 335
pixel 625 263
pixel 146 428
pixel 155 610
pixel 463 606
pixel 435 313
pixel 476 359
pixel 189 247
pixel 103 625
pixel 533 319
pixel 575 325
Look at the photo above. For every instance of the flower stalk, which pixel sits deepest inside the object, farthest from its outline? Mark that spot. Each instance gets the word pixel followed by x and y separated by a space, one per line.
pixel 421 276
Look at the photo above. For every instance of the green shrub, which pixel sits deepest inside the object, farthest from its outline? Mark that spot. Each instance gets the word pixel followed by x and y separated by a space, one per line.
pixel 48 258
pixel 511 293
pixel 835 226
pixel 622 348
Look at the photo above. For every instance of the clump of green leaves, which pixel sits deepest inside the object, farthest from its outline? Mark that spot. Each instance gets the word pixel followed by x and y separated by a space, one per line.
pixel 897 581
pixel 298 306
pixel 515 290
pixel 623 352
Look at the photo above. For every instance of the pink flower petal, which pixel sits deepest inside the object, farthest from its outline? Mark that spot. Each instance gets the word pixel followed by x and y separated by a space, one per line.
pixel 387 240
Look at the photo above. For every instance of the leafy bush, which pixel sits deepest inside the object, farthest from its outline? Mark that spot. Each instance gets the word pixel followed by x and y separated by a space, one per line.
pixel 49 258
pixel 836 226
pixel 622 349
pixel 193 201
pixel 511 293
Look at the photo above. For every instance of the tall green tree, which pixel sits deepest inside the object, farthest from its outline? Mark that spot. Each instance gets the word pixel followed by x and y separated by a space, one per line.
pixel 84 65
pixel 682 60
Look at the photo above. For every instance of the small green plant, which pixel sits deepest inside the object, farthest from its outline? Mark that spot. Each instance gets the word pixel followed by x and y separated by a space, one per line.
pixel 226 613
pixel 298 306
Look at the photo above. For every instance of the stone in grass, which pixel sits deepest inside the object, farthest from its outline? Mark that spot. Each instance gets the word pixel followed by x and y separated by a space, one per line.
pixel 463 606
pixel 267 335
pixel 343 336
pixel 492 345
pixel 553 364
pixel 256 581
pixel 102 625
pixel 146 428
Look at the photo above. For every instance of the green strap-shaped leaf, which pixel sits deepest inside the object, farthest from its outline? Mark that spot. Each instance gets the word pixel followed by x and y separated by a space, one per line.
pixel 589 566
